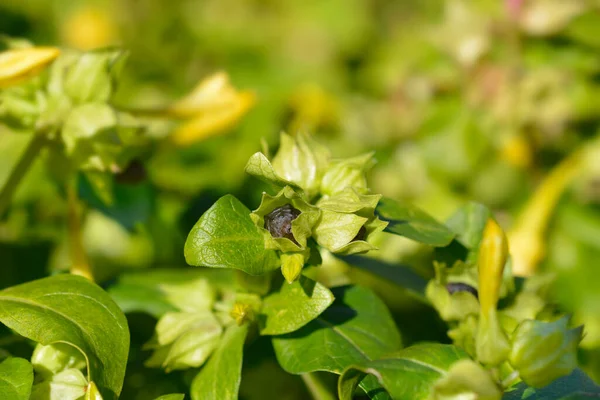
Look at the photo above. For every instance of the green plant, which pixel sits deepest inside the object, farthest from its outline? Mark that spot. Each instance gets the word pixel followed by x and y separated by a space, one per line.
pixel 508 338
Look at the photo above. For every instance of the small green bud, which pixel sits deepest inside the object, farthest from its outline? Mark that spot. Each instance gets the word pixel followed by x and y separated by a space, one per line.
pixel 347 220
pixel 302 161
pixel 67 384
pixel 544 351
pixel 451 306
pixel 347 173
pixel 91 76
pixel 466 379
pixel 291 266
pixel 184 340
pixel 54 358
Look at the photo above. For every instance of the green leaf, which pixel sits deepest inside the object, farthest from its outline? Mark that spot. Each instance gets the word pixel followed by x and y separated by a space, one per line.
pixel 226 237
pixel 16 379
pixel 568 387
pixel 172 396
pixel 73 310
pixel 220 378
pixel 157 291
pixel 468 223
pixel 260 167
pixel 411 222
pixel 356 328
pixel 409 374
pixel 401 275
pixel 294 306
pixel 69 384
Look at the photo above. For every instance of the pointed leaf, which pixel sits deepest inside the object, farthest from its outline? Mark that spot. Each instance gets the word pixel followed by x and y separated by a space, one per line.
pixel 411 222
pixel 73 310
pixel 226 237
pixel 409 374
pixel 16 379
pixel 220 378
pixel 294 306
pixel 357 327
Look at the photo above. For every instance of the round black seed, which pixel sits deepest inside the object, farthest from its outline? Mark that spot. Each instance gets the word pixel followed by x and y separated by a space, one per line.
pixel 279 222
pixel 454 287
pixel 361 235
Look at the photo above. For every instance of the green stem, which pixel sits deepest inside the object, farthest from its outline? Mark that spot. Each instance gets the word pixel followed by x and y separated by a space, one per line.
pixel 80 264
pixel 20 169
pixel 316 388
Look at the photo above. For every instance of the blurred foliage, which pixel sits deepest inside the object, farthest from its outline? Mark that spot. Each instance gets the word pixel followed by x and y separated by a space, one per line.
pixel 460 100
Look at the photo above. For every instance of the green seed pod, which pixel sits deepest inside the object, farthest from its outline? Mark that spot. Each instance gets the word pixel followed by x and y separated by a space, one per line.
pixel 544 351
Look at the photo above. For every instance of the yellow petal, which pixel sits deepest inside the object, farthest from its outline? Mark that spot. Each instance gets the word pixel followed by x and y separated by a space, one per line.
pixel 213 121
pixel 92 392
pixel 19 64
pixel 527 237
pixel 493 253
pixel 213 92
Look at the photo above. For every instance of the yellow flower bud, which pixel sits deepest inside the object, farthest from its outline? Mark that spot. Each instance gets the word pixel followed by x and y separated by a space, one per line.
pixel 19 64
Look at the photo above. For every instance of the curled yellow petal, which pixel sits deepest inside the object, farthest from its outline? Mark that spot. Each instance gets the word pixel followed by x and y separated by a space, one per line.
pixel 214 92
pixel 212 121
pixel 527 239
pixel 17 65
pixel 493 253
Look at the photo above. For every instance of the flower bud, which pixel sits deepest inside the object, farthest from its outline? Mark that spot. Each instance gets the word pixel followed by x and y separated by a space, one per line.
pixel 544 351
pixel 291 266
pixel 467 379
pixel 17 65
pixel 491 343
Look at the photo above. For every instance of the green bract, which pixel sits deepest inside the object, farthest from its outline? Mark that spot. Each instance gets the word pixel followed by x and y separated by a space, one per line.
pixel 184 340
pixel 544 351
pixel 345 173
pixel 301 160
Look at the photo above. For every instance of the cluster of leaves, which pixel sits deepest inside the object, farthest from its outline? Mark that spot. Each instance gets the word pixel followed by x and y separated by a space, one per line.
pixel 479 106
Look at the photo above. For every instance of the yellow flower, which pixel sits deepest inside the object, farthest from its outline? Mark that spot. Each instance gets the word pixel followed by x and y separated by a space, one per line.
pixel 88 28
pixel 17 65
pixel 527 237
pixel 212 107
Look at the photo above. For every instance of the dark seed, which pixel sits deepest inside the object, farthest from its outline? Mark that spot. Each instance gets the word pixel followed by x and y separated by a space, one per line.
pixel 454 287
pixel 361 235
pixel 279 222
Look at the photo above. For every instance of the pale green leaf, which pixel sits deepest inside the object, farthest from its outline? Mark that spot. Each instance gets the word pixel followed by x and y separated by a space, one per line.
pixel 16 379
pixel 220 378
pixel 294 306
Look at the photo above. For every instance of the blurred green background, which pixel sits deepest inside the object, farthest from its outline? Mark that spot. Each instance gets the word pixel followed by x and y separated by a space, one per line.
pixel 460 100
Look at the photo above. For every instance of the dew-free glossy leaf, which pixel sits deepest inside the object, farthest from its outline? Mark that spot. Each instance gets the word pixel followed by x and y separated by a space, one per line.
pixel 294 306
pixel 73 310
pixel 16 378
pixel 411 222
pixel 356 328
pixel 226 237
pixel 409 374
pixel 172 396
pixel 220 378
pixel 401 275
